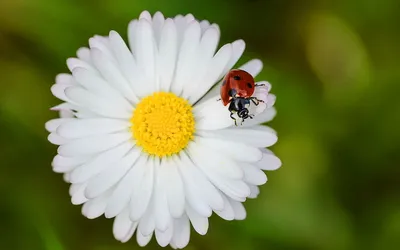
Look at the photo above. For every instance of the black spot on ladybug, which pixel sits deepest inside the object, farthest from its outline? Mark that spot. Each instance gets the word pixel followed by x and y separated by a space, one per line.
pixel 224 82
pixel 232 92
pixel 236 77
pixel 249 85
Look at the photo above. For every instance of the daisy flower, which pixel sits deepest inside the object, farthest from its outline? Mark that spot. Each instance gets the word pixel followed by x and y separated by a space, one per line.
pixel 143 138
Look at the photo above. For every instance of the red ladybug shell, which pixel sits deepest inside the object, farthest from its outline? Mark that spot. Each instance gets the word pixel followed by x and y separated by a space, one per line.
pixel 238 83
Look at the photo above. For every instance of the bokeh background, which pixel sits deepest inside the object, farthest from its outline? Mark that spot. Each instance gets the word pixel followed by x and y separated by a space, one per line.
pixel 335 69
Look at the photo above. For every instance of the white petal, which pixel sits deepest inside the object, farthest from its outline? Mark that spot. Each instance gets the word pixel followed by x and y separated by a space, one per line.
pixel 65 78
pixel 132 28
pixel 100 162
pixel 110 177
pixel 158 23
pixel 73 63
pixel 181 232
pixel 95 208
pixel 194 197
pixel 79 195
pixel 58 90
pixel 53 124
pixel 164 237
pixel 209 41
pixel 147 223
pixel 189 18
pixel 142 187
pixel 253 67
pixel 235 150
pixel 93 145
pixel 206 50
pixel 143 240
pixel 200 223
pixel 121 195
pixel 174 188
pixel 123 227
pixel 63 164
pixel 199 191
pixel 167 54
pixel 255 136
pixel 239 210
pixel 127 63
pixel 101 43
pixel 227 212
pixel 181 25
pixel 145 15
pixel 83 113
pixel 84 54
pixel 253 175
pixel 77 128
pixel 214 72
pixel 212 115
pixel 172 244
pixel 186 64
pixel 66 177
pixel 99 105
pixel 65 107
pixel 162 215
pixel 66 114
pixel 238 47
pixel 269 161
pixel 262 89
pixel 271 100
pixel 254 191
pixel 55 139
pixel 73 188
pixel 236 189
pixel 113 75
pixel 267 85
pixel 204 25
pixel 97 85
pixel 219 162
pixel 145 50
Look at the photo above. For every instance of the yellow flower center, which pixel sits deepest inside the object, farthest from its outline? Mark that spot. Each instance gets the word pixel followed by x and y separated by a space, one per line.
pixel 163 124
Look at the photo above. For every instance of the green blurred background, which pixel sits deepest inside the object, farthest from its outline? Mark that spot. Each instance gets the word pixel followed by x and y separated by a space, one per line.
pixel 334 66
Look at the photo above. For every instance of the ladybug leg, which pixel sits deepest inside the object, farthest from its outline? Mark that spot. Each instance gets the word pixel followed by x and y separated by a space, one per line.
pixel 255 100
pixel 219 99
pixel 233 118
pixel 258 85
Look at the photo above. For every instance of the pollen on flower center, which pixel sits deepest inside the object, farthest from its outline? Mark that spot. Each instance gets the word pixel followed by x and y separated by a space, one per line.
pixel 163 124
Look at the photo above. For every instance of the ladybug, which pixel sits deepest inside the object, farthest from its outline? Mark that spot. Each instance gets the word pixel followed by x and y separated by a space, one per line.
pixel 237 89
